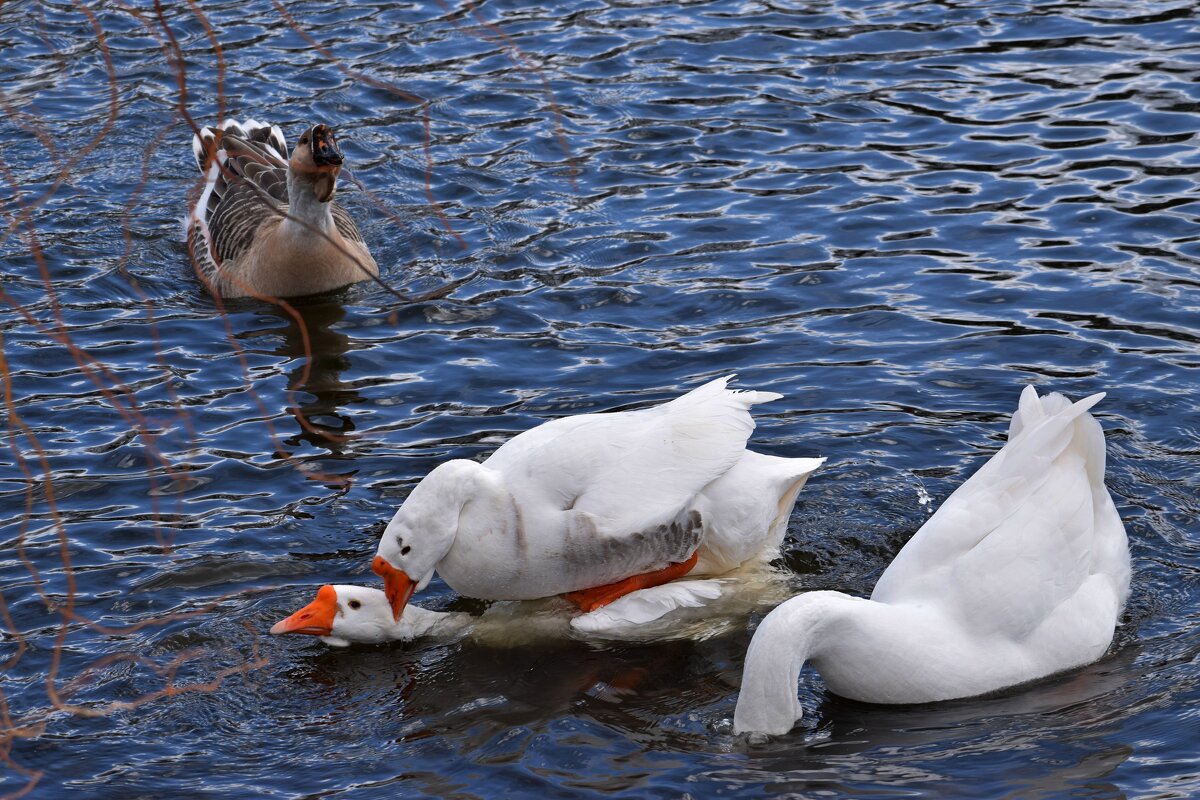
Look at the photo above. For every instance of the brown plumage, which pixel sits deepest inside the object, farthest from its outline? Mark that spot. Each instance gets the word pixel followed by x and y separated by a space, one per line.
pixel 267 224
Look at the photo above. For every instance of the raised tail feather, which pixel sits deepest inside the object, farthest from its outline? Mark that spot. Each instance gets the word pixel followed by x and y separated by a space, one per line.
pixel 1032 408
pixel 268 136
pixel 745 398
pixel 1043 429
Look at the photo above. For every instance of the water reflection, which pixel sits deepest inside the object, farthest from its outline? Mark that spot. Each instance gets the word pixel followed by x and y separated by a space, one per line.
pixel 317 352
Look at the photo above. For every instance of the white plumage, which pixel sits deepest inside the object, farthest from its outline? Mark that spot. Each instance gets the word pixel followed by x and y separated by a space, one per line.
pixel 630 613
pixel 344 615
pixel 1020 574
pixel 588 500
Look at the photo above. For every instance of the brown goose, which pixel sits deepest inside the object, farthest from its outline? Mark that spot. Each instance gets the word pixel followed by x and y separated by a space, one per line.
pixel 266 224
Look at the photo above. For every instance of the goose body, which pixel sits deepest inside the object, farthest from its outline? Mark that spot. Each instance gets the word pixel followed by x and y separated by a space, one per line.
pixel 589 500
pixel 1022 573
pixel 266 224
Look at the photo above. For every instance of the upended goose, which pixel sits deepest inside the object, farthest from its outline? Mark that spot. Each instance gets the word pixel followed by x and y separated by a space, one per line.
pixel 1022 573
pixel 266 224
pixel 596 506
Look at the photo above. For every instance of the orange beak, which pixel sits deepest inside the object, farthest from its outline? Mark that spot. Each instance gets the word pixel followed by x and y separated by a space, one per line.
pixel 315 619
pixel 396 585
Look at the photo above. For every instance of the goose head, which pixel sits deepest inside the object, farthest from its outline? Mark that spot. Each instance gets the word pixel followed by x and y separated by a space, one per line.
pixel 341 615
pixel 317 161
pixel 425 528
pixel 407 557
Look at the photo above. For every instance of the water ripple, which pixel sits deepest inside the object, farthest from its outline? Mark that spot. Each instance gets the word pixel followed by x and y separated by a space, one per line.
pixel 896 215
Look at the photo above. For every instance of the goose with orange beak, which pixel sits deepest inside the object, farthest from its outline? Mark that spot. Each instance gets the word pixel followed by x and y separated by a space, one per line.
pixel 596 506
pixel 266 222
pixel 1022 573
pixel 342 615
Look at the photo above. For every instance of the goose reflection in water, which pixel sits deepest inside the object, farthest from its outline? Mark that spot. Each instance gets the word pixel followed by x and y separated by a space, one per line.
pixel 317 349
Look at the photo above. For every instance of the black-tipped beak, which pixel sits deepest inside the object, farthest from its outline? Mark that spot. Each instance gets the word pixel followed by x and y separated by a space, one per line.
pixel 324 147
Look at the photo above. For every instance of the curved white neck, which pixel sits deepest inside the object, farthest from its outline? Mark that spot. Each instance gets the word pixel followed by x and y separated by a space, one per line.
pixel 418 622
pixel 429 520
pixel 791 634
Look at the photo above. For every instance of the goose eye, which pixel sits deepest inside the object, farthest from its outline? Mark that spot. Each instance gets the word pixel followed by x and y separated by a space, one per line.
pixel 355 604
pixel 404 550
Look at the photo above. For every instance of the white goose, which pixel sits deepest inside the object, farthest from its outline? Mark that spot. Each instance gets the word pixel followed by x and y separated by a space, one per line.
pixel 596 506
pixel 266 224
pixel 1022 573
pixel 343 615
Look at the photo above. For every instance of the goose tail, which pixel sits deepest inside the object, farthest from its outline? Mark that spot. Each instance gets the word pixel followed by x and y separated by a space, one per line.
pixel 206 148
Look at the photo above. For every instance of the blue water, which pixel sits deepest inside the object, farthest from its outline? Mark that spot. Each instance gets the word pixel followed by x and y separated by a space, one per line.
pixel 895 214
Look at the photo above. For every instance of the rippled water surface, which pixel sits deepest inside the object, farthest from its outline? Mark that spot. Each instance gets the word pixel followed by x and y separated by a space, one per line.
pixel 895 214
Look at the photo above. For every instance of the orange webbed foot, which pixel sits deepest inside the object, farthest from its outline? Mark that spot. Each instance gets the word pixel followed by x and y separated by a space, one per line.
pixel 600 596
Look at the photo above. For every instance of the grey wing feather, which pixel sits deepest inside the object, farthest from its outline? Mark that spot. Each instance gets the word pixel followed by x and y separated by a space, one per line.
pixel 270 137
pixel 345 224
pixel 235 220
pixel 251 186
pixel 610 558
